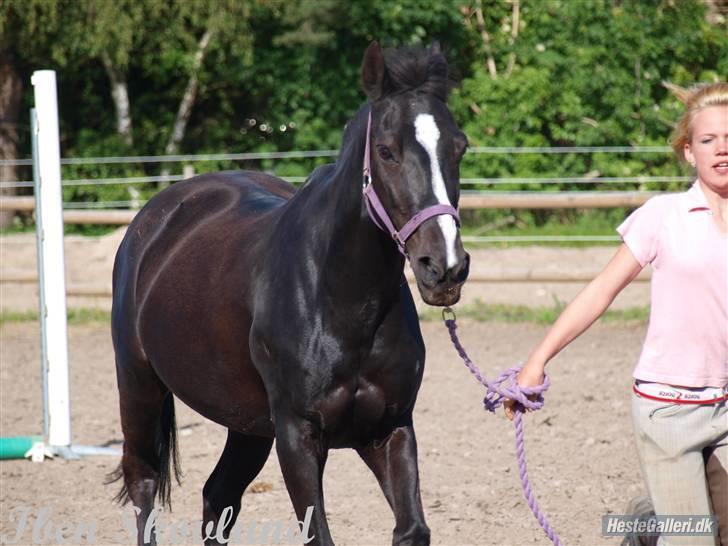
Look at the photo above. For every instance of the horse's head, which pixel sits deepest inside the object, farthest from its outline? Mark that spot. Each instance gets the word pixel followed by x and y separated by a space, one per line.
pixel 416 148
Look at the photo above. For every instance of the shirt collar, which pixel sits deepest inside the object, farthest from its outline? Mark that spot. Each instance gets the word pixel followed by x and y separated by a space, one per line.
pixel 695 198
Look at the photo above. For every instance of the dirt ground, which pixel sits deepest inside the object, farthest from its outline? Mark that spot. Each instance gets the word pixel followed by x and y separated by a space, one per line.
pixel 582 462
pixel 581 459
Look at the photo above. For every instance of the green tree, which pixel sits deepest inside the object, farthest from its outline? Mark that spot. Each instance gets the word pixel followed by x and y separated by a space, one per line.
pixel 584 73
pixel 260 75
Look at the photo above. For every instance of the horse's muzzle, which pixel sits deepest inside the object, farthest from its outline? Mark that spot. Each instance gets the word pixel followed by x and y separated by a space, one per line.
pixel 438 284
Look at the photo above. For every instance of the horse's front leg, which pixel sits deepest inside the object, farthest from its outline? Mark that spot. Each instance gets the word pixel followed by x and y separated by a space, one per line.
pixel 302 455
pixel 394 463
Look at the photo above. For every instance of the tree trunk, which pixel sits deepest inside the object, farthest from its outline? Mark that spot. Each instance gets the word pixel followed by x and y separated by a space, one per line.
pixel 11 94
pixel 120 96
pixel 480 20
pixel 188 100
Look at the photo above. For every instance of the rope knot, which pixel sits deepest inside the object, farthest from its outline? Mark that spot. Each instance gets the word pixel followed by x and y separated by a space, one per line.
pixel 506 386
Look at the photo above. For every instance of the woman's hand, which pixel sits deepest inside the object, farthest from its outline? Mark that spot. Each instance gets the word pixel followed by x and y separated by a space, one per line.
pixel 530 376
pixel 578 316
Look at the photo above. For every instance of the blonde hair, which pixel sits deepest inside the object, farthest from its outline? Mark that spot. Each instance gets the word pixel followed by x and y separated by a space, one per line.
pixel 695 99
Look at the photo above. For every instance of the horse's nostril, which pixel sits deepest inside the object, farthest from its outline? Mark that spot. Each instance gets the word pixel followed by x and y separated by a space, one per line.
pixel 426 262
pixel 461 275
pixel 459 272
pixel 431 269
pixel 465 270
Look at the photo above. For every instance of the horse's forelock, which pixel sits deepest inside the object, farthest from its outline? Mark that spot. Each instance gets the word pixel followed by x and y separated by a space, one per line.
pixel 417 69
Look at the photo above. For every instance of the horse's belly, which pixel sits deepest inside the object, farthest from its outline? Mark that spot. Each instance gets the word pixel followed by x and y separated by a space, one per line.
pixel 247 413
pixel 226 391
pixel 195 336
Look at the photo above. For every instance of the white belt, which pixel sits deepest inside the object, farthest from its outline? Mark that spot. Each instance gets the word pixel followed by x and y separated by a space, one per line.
pixel 680 395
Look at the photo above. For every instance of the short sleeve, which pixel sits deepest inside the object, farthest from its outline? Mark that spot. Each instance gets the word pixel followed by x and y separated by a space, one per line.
pixel 641 231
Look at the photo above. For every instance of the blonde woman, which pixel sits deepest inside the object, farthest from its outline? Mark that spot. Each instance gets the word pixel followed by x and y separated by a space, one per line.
pixel 680 406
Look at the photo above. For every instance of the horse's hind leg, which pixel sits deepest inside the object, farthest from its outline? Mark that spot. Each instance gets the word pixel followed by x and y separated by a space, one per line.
pixel 148 424
pixel 240 462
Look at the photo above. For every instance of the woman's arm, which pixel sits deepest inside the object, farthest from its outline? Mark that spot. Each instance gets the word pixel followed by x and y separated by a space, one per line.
pixel 581 313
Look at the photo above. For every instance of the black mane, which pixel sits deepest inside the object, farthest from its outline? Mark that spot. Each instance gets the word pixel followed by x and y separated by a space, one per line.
pixel 417 69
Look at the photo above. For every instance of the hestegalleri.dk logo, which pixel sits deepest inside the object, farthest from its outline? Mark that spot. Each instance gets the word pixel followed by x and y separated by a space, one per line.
pixel 652 525
pixel 41 526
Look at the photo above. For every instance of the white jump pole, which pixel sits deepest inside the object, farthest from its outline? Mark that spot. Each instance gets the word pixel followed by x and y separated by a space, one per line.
pixel 51 267
pixel 52 278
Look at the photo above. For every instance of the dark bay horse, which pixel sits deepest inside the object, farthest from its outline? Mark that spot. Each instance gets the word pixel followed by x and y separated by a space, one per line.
pixel 285 315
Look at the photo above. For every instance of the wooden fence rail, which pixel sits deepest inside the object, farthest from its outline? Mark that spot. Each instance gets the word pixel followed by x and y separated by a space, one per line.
pixel 475 200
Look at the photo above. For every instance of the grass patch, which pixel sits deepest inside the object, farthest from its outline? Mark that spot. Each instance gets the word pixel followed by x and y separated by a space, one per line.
pixel 85 316
pixel 7 316
pixel 558 223
pixel 497 312
pixel 75 316
pixel 478 311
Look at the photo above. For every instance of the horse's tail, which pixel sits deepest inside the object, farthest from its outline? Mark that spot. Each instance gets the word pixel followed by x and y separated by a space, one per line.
pixel 167 450
pixel 167 453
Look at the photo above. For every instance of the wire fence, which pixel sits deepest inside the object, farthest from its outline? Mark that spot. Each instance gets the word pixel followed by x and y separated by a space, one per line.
pixel 246 156
pixel 476 185
pixel 299 154
pixel 299 179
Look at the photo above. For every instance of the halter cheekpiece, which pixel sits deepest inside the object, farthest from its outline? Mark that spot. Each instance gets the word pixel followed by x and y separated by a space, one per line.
pixel 379 215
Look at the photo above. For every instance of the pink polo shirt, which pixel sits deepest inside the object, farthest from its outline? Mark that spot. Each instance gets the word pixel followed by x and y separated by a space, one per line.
pixel 687 338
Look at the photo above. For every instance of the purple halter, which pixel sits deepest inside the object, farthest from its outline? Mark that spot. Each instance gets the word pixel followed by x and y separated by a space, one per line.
pixel 379 215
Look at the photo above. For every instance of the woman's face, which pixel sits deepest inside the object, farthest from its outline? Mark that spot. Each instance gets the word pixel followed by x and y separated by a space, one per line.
pixel 708 149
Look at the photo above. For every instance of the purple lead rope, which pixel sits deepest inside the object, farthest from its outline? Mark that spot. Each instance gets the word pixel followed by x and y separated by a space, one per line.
pixel 503 387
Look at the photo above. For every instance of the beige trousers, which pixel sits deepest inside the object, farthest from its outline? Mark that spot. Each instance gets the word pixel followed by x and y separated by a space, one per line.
pixel 674 442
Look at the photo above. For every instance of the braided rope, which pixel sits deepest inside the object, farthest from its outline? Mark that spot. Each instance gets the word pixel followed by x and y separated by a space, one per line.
pixel 505 386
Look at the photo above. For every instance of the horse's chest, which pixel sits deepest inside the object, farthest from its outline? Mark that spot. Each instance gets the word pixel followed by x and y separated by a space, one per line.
pixel 352 412
pixel 353 386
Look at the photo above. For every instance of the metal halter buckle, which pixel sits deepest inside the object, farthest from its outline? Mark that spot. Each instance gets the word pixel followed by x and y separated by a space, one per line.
pixel 448 312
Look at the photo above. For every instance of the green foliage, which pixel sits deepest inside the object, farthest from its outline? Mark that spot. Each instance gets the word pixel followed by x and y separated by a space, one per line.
pixel 585 73
pixel 284 75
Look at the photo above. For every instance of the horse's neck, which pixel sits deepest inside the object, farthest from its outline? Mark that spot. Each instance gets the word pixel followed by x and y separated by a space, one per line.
pixel 344 254
pixel 362 263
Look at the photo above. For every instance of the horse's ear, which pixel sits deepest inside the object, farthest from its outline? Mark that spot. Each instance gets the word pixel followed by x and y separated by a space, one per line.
pixel 373 71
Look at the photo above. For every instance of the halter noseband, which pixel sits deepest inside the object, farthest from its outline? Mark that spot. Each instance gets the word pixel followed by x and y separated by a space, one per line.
pixel 379 215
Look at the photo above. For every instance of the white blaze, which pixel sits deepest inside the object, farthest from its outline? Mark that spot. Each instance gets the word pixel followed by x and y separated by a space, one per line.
pixel 427 134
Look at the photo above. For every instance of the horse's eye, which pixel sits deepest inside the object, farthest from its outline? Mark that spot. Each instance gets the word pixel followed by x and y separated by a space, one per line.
pixel 384 153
